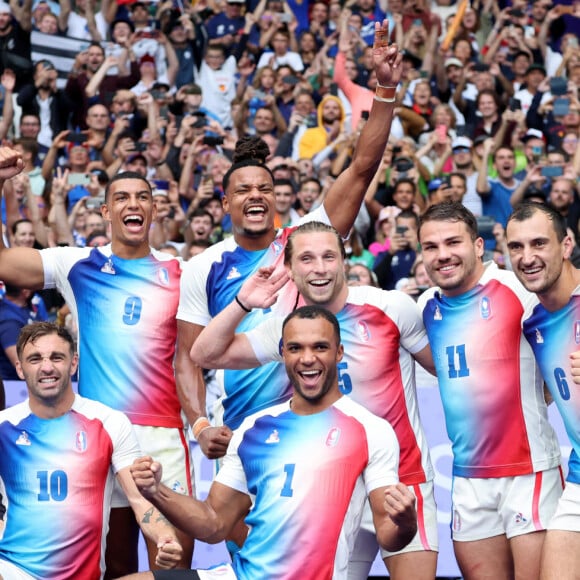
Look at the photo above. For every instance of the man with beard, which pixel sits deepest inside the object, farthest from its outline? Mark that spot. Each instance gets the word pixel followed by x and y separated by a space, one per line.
pixel 299 472
pixel 43 95
pixel 129 291
pixel 378 372
pixel 506 457
pixel 15 27
pixel 330 124
pixel 540 249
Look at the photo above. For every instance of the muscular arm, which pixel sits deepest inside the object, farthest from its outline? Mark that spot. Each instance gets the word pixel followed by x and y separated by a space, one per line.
pixel 153 524
pixel 210 520
pixel 18 266
pixel 345 197
pixel 218 346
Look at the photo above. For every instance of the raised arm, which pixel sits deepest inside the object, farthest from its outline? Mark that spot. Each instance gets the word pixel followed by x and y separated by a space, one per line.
pixel 210 520
pixel 345 197
pixel 18 266
pixel 218 346
pixel 153 524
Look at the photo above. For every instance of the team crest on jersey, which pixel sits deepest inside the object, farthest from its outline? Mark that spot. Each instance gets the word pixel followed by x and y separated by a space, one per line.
pixel 519 518
pixel 362 330
pixel 539 337
pixel 108 267
pixel 577 331
pixel 485 308
pixel 163 275
pixel 277 247
pixel 437 315
pixel 23 439
pixel 273 438
pixel 333 437
pixel 81 441
pixel 233 273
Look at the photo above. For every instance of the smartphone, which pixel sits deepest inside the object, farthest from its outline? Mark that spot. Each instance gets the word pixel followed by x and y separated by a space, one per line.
pixel 401 230
pixel 537 152
pixel 78 179
pixel 157 94
pixel 417 22
pixel 572 42
pixel 171 214
pixel 441 131
pixel 333 89
pixel 212 141
pixel 285 18
pixel 74 137
pixel 515 104
pixel 140 147
pixel 423 74
pixel 558 86
pixel 94 202
pixel 480 67
pixel 561 106
pixel 552 171
pixel 364 115
pixel 164 112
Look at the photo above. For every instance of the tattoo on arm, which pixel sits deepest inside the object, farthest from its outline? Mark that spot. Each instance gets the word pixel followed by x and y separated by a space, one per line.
pixel 147 516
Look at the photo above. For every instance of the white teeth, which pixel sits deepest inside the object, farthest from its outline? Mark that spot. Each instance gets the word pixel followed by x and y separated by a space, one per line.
pixel 47 380
pixel 310 373
pixel 319 282
pixel 133 218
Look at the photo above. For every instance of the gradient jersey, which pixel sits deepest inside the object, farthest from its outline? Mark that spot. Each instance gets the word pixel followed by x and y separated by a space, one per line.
pixel 302 473
pixel 380 331
pixel 127 328
pixel 553 336
pixel 55 484
pixel 490 386
pixel 210 282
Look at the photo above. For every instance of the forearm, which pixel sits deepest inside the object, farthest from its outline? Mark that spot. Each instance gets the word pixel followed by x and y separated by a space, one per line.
pixel 213 348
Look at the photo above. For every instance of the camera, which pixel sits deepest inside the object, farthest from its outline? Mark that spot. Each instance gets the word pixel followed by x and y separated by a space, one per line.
pixel 403 164
pixel 213 141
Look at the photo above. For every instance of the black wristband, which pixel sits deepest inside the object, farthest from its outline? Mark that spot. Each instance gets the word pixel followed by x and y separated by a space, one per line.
pixel 241 305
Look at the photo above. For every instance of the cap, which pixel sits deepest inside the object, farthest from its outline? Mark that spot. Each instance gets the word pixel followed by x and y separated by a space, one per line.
pixel 534 191
pixel 388 212
pixel 415 60
pixel 191 89
pixel 5 8
pixel 147 58
pixel 236 1
pixel 536 66
pixel 480 139
pixel 436 183
pixel 134 156
pixel 160 187
pixel 460 142
pixel 532 134
pixel 453 61
pixel 129 23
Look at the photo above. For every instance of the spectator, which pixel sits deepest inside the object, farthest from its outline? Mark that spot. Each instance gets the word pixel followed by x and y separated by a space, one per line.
pixel 330 125
pixel 15 49
pixel 44 96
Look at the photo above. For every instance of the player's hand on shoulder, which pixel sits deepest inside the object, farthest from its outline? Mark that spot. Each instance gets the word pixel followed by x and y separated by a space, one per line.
pixel 146 474
pixel 169 552
pixel 214 441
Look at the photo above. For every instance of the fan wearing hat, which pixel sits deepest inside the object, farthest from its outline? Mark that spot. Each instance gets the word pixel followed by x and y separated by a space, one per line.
pixel 15 27
pixel 462 157
pixel 533 78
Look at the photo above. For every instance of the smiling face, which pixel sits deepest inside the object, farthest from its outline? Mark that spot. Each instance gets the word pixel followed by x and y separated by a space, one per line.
pixel 250 202
pixel 311 352
pixel 130 209
pixel 47 365
pixel 451 257
pixel 536 254
pixel 317 269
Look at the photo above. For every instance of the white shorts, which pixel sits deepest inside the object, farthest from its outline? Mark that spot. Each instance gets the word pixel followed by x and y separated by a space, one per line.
pixel 488 507
pixel 171 448
pixel 9 571
pixel 426 539
pixel 567 516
